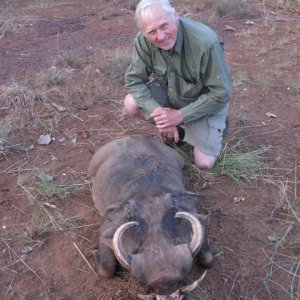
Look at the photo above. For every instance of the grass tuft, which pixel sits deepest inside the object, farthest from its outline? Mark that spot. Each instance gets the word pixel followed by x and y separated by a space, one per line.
pixel 234 9
pixel 17 96
pixel 43 192
pixel 239 167
pixel 53 77
pixel 38 225
pixel 118 64
pixel 7 144
pixel 198 294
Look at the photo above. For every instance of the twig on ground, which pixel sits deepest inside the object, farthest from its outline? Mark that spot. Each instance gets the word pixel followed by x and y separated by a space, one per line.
pixel 89 265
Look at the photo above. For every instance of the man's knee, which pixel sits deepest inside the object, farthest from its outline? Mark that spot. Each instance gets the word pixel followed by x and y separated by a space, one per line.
pixel 131 106
pixel 204 165
pixel 203 161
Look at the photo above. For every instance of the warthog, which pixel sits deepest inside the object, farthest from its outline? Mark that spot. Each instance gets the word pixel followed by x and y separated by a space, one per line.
pixel 151 224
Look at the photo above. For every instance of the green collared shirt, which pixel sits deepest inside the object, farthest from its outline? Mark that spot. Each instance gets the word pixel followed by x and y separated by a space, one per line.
pixel 195 73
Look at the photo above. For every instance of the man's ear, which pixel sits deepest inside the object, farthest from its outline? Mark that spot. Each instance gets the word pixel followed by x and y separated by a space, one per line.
pixel 176 18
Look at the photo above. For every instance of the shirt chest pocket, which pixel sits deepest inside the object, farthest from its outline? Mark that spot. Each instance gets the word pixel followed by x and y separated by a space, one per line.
pixel 160 74
pixel 190 90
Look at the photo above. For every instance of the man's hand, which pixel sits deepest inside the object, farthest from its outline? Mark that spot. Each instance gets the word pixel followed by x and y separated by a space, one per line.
pixel 166 117
pixel 170 133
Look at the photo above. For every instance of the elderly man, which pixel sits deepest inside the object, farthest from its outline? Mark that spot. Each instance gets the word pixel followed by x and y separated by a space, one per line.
pixel 179 76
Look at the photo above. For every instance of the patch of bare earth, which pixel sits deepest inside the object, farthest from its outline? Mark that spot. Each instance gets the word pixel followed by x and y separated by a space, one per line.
pixel 257 240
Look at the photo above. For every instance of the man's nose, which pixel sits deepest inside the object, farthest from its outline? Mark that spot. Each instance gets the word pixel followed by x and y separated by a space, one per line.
pixel 160 35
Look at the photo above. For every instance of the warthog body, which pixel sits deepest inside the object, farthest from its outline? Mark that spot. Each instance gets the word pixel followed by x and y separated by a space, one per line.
pixel 151 224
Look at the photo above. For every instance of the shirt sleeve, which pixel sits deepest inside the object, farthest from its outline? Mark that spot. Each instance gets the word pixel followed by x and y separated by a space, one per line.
pixel 137 76
pixel 216 78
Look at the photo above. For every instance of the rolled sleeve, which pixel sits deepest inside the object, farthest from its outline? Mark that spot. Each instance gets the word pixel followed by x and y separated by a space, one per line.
pixel 137 77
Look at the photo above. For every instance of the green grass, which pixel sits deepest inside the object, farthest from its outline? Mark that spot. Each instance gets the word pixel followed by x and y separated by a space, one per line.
pixel 39 224
pixel 239 167
pixel 43 187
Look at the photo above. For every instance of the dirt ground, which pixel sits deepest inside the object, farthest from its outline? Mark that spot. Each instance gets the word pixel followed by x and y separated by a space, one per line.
pixel 36 37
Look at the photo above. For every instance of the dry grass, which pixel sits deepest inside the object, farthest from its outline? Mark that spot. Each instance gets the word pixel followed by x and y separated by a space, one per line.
pixel 46 194
pixel 5 143
pixel 17 96
pixel 8 142
pixel 13 25
pixel 198 294
pixel 282 269
pixel 117 64
pixel 53 77
pixel 234 9
pixel 22 102
pixel 65 62
pixel 291 6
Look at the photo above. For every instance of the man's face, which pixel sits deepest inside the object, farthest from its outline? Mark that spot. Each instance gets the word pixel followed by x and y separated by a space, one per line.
pixel 160 29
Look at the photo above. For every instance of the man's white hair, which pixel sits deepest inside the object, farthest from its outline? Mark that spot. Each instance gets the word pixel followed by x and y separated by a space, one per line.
pixel 143 9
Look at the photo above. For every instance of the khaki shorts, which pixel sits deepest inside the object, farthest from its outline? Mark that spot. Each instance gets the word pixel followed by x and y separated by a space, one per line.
pixel 206 134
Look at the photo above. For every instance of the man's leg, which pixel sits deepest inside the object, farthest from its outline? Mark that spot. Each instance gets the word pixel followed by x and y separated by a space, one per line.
pixel 206 136
pixel 158 93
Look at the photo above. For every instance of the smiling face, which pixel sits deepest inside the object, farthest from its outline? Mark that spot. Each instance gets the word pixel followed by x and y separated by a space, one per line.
pixel 160 28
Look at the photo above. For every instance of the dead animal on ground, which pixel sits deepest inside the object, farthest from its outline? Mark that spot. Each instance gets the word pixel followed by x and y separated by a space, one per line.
pixel 151 225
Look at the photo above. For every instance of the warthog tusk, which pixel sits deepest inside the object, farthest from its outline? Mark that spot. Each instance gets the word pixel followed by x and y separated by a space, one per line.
pixel 123 258
pixel 146 297
pixel 188 288
pixel 197 229
pixel 174 296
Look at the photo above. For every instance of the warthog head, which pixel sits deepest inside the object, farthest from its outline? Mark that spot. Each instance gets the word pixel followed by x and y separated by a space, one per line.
pixel 163 242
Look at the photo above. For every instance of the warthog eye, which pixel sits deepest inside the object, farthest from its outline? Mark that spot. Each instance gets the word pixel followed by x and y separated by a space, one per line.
pixel 169 222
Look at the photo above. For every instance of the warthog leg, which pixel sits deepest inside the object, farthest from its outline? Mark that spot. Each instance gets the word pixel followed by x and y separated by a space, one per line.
pixel 104 261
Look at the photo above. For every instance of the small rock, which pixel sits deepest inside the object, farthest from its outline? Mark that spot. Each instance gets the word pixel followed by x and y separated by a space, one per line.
pixel 58 107
pixel 27 250
pixel 270 115
pixel 44 139
pixel 248 22
pixel 273 238
pixel 237 200
pixel 229 28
